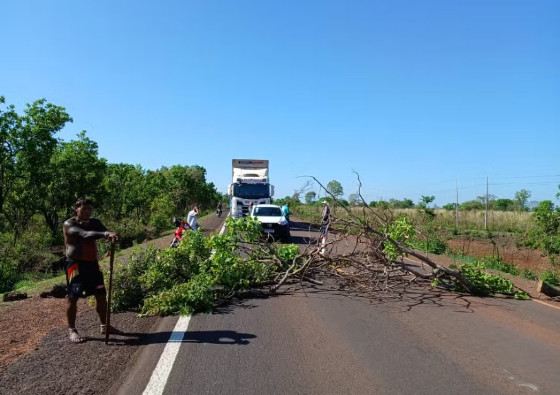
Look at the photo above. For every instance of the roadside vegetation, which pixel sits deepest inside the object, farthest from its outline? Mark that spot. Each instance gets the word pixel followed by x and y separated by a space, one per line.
pixel 42 176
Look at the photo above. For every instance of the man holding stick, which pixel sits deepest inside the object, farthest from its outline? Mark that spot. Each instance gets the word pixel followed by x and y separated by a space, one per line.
pixel 83 274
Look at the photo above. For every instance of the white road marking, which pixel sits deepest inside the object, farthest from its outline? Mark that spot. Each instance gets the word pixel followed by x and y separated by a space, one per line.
pixel 165 363
pixel 167 359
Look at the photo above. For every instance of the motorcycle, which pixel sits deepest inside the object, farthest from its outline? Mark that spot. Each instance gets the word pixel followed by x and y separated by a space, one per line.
pixel 219 212
pixel 174 243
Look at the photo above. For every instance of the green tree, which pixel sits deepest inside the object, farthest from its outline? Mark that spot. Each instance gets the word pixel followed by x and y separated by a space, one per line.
pixel 521 199
pixel 335 188
pixel 187 186
pixel 450 206
pixel 354 199
pixel 482 200
pixel 504 205
pixel 546 236
pixel 125 190
pixel 32 144
pixel 405 203
pixel 471 205
pixel 9 124
pixel 76 171
pixel 427 211
pixel 310 197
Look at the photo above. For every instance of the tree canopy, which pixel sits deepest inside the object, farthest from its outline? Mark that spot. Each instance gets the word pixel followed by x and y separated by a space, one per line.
pixel 335 188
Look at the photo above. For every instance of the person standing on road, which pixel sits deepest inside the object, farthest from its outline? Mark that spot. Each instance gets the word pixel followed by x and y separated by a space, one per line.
pixel 192 218
pixel 325 219
pixel 84 277
pixel 326 212
pixel 286 211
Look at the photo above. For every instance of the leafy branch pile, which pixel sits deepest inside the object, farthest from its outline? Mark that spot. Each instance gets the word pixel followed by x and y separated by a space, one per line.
pixel 201 271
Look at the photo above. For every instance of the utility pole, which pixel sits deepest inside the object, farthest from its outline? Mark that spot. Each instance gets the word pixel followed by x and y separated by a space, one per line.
pixel 486 211
pixel 456 205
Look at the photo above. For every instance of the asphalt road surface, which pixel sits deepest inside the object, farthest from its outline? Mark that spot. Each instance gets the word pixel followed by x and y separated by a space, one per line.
pixel 328 340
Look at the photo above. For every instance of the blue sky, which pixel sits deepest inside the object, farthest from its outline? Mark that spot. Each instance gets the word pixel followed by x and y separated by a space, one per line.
pixel 415 96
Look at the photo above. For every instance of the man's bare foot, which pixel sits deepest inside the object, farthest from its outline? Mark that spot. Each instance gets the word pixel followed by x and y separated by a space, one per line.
pixel 112 330
pixel 74 336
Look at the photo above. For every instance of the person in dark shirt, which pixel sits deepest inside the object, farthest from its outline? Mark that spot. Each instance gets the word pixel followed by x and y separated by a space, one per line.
pixel 83 274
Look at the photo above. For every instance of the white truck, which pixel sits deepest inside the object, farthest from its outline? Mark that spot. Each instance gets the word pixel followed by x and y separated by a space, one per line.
pixel 249 184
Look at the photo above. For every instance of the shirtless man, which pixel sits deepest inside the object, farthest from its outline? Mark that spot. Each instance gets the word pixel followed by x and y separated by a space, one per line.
pixel 85 278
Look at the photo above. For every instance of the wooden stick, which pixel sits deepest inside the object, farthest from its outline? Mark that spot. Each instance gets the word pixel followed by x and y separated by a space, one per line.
pixel 108 315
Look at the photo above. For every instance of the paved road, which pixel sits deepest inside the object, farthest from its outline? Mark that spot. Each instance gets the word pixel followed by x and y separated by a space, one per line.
pixel 326 341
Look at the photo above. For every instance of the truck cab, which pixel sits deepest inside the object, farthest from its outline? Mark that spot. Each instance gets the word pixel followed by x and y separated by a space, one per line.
pixel 250 184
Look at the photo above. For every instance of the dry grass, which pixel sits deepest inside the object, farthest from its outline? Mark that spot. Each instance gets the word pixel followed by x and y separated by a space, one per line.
pixel 498 221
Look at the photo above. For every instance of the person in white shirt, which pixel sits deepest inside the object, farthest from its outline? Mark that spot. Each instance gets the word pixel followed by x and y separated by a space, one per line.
pixel 192 218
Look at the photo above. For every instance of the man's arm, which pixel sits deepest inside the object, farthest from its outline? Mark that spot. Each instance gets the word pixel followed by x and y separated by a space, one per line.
pixel 73 230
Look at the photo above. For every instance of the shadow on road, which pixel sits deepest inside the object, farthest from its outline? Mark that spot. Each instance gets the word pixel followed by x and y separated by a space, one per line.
pixel 218 337
pixel 401 298
pixel 211 337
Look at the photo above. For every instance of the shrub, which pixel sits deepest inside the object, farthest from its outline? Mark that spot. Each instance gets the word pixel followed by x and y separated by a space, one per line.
pixel 29 255
pixel 496 263
pixel 128 291
pixel 434 245
pixel 177 265
pixel 9 274
pixel 131 231
pixel 551 278
pixel 528 274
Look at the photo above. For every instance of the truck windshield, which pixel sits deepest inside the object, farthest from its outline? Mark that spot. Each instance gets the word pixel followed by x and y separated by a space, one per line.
pixel 251 191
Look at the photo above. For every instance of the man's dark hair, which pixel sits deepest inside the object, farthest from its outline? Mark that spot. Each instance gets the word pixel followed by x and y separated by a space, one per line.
pixel 83 202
